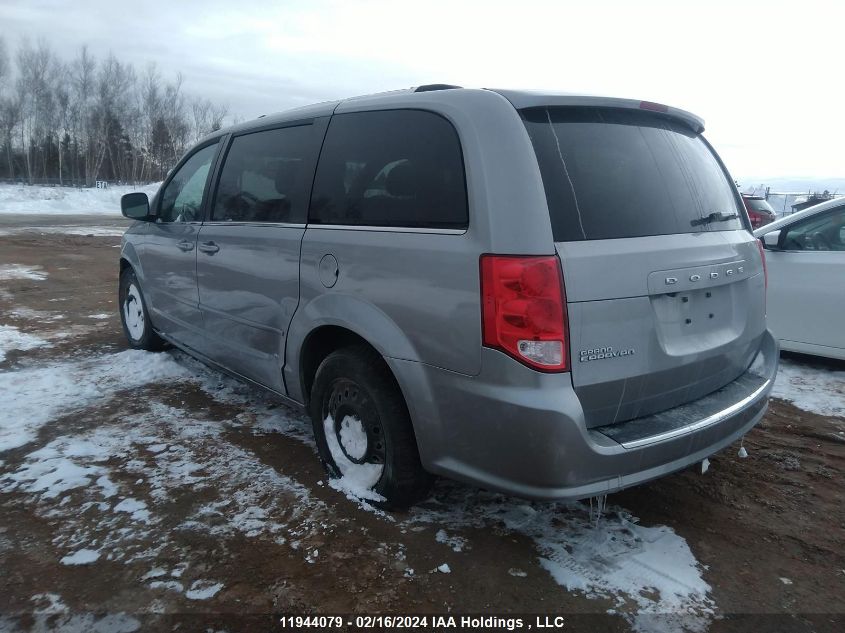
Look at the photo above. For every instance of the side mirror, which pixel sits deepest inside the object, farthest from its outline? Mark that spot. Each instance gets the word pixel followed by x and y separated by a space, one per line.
pixel 771 240
pixel 135 206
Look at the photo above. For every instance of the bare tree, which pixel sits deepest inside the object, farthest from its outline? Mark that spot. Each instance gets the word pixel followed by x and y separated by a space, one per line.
pixel 90 119
pixel 83 78
pixel 4 63
pixel 10 114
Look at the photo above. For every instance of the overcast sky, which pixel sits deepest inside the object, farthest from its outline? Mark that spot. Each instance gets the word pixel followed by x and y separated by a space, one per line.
pixel 767 77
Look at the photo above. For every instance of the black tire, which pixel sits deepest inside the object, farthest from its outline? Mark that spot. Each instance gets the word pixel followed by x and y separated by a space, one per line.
pixel 355 381
pixel 132 305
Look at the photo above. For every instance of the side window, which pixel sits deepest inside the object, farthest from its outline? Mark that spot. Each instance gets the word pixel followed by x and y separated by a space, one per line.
pixel 265 177
pixel 400 168
pixel 181 200
pixel 820 233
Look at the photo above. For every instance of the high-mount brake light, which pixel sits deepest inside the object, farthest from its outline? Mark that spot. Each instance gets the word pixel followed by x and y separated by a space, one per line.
pixel 523 309
pixel 654 107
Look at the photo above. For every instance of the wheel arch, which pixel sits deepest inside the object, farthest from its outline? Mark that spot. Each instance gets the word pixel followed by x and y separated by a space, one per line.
pixel 129 259
pixel 339 318
pixel 318 344
pixel 325 339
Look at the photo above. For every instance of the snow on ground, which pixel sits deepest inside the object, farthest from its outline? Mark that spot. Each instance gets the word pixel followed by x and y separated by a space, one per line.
pixel 66 200
pixel 30 398
pixel 81 557
pixel 48 603
pixel 93 231
pixel 457 543
pixel 78 480
pixel 203 590
pixel 11 338
pixel 174 452
pixel 50 613
pixel 650 572
pixel 41 316
pixel 816 388
pixel 61 620
pixel 19 271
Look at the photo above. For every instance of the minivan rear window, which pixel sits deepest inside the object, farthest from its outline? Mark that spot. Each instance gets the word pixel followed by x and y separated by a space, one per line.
pixel 615 173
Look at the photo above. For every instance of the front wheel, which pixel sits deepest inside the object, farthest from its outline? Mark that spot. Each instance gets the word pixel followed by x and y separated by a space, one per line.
pixel 363 430
pixel 134 315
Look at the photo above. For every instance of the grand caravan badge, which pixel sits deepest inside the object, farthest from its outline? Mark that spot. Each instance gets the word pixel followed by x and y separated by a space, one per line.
pixel 602 353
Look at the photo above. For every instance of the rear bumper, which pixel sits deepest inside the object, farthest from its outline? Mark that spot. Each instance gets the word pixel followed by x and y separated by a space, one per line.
pixel 523 433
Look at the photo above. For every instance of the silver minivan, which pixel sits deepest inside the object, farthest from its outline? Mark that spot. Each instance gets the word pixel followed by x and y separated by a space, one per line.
pixel 552 296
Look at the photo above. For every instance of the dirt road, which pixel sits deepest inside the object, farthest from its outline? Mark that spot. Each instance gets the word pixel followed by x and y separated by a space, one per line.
pixel 146 492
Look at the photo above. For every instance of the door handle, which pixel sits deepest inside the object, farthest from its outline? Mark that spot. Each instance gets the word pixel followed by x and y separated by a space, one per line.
pixel 209 247
pixel 185 245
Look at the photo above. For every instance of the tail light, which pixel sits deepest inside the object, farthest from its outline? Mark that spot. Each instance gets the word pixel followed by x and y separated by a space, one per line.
pixel 763 259
pixel 523 310
pixel 765 276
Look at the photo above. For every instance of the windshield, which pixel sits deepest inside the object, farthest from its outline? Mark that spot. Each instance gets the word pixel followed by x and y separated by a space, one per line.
pixel 615 173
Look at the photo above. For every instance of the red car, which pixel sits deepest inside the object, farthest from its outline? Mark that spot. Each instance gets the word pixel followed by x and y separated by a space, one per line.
pixel 760 212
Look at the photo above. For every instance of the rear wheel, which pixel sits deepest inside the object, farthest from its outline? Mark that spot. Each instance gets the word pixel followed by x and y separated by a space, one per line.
pixel 363 430
pixel 134 316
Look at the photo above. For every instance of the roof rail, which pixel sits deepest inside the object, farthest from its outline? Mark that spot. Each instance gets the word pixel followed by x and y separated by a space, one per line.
pixel 432 87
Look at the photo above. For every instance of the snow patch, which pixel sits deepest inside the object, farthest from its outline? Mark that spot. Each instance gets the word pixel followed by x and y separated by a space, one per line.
pixel 248 497
pixel 51 471
pixel 82 230
pixel 457 543
pixel 813 388
pixel 48 604
pixel 30 398
pixel 81 557
pixel 357 480
pixel 19 271
pixel 203 590
pixel 34 315
pixel 106 486
pixel 353 437
pixel 650 571
pixel 169 585
pixel 66 200
pixel 155 572
pixel 136 509
pixel 11 338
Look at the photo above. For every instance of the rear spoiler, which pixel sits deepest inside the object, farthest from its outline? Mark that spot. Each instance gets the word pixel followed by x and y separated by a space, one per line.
pixel 521 99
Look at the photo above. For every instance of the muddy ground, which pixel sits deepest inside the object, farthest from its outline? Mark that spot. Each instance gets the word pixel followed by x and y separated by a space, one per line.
pixel 767 530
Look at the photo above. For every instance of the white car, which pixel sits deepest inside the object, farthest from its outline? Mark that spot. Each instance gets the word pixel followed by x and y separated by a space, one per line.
pixel 805 254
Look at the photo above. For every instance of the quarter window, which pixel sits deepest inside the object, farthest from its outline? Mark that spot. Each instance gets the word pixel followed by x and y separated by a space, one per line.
pixel 398 168
pixel 265 177
pixel 181 200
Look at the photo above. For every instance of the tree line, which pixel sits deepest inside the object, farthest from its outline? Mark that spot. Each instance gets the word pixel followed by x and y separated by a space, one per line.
pixel 73 122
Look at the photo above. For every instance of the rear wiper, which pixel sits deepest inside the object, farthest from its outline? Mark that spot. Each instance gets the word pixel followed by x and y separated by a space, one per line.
pixel 716 216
